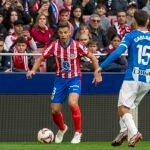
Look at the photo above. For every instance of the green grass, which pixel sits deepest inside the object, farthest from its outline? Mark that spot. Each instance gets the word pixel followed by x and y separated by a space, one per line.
pixel 68 146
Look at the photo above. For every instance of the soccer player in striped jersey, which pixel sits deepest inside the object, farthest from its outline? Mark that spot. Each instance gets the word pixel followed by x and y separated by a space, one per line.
pixel 67 54
pixel 137 77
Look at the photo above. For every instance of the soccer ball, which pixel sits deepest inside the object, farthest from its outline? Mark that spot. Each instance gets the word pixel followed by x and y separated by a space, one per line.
pixel 45 135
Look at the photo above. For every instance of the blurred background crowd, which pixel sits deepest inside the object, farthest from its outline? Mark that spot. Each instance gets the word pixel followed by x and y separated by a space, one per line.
pixel 29 26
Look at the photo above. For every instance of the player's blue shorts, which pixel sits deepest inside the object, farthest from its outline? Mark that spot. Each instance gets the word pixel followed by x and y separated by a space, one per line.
pixel 63 87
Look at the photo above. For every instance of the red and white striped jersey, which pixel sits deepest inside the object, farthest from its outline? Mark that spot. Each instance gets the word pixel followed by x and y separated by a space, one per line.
pixel 67 59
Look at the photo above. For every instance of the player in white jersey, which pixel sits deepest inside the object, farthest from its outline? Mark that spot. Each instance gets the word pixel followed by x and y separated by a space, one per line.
pixel 137 77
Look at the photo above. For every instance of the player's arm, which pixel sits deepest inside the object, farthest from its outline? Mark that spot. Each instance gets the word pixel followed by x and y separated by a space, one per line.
pixel 35 67
pixel 48 51
pixel 113 56
pixel 97 75
pixel 126 41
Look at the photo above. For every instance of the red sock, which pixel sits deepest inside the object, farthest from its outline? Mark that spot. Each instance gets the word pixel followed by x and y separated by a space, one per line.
pixel 59 120
pixel 76 116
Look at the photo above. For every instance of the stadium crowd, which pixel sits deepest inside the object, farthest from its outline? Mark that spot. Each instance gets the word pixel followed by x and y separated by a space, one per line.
pixel 29 26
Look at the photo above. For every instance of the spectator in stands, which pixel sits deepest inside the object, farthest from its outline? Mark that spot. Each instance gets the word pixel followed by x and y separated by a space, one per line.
pixel 93 46
pixel 76 18
pixel 4 60
pixel 64 18
pixel 120 27
pixel 121 63
pixel 10 7
pixel 132 7
pixel 29 39
pixel 18 32
pixel 41 32
pixel 21 63
pixel 86 64
pixel 87 6
pixel 83 29
pixel 116 5
pixel 84 39
pixel 147 7
pixel 104 21
pixel 67 4
pixel 18 29
pixel 3 30
pixel 48 8
pixel 13 16
pixel 98 34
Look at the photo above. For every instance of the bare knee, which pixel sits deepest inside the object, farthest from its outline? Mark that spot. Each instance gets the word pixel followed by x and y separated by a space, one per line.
pixel 55 108
pixel 123 110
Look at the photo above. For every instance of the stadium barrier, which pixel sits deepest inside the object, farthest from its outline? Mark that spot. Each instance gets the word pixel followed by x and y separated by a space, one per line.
pixel 25 107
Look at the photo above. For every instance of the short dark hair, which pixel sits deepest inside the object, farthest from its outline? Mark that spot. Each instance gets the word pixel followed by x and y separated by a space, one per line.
pixel 100 5
pixel 64 25
pixel 141 17
pixel 21 40
pixel 92 42
pixel 119 11
pixel 63 10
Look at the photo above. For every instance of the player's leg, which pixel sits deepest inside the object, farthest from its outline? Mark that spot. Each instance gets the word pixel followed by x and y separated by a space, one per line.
pixel 74 91
pixel 122 135
pixel 58 96
pixel 59 121
pixel 142 91
pixel 127 96
pixel 76 117
pixel 129 99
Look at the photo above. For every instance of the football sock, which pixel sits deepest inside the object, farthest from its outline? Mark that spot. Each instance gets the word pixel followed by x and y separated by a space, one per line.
pixel 128 120
pixel 59 120
pixel 123 127
pixel 76 116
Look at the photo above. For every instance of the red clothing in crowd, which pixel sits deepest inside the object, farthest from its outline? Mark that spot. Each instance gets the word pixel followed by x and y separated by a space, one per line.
pixel 41 36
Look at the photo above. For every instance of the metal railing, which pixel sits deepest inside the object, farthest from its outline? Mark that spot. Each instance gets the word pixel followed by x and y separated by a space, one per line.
pixel 36 54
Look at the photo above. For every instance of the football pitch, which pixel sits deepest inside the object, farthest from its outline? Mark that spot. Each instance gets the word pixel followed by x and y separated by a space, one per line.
pixel 67 146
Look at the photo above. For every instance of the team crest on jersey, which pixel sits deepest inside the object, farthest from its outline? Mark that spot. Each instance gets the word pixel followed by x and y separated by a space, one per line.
pixel 66 65
pixel 72 56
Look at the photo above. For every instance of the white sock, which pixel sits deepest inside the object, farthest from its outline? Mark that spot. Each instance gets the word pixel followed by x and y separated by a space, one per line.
pixel 128 120
pixel 123 127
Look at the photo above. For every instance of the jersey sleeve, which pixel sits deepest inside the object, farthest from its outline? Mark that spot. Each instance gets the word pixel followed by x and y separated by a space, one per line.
pixel 82 50
pixel 127 40
pixel 48 51
pixel 125 43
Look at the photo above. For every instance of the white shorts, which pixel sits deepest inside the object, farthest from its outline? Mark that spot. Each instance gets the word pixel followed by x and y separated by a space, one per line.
pixel 132 92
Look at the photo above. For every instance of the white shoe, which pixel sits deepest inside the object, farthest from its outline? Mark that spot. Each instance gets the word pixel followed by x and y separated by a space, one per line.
pixel 60 134
pixel 77 138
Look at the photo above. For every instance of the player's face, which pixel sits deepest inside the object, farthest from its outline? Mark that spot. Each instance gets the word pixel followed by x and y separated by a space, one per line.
pixel 21 47
pixel 64 34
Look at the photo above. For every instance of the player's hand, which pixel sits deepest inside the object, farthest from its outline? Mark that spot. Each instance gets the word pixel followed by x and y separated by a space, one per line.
pixel 97 77
pixel 30 74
